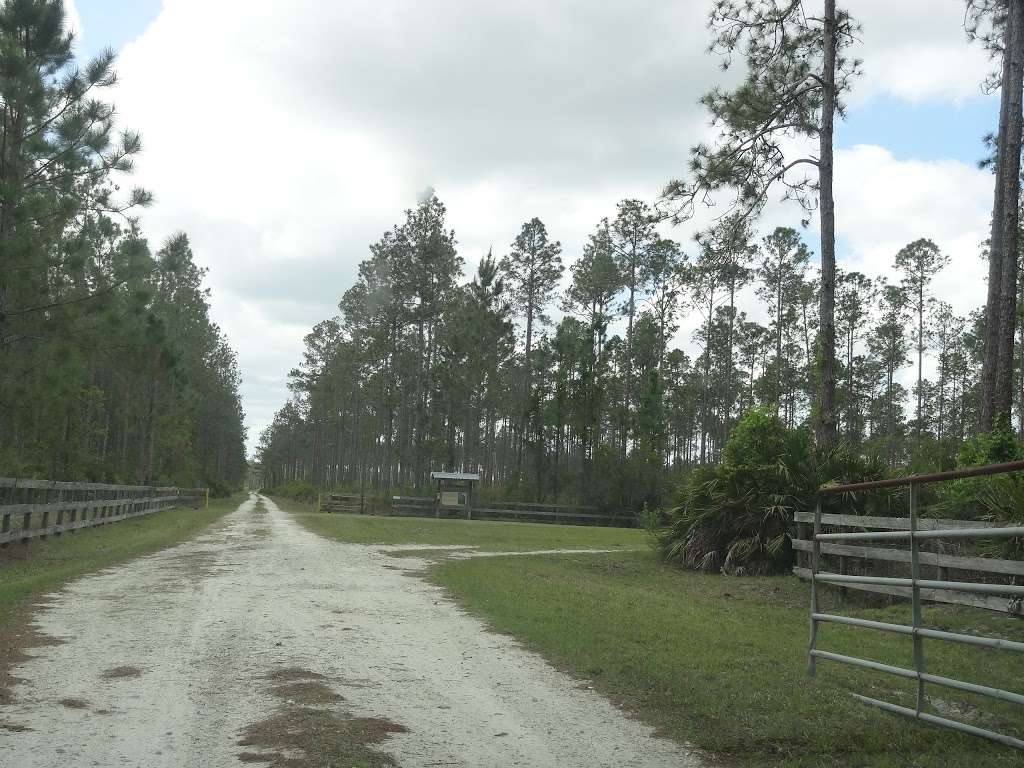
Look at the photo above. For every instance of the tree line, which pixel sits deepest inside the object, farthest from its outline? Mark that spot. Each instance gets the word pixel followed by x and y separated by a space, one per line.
pixel 419 372
pixel 110 366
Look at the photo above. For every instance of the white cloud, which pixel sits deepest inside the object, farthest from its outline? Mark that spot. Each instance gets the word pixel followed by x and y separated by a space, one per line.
pixel 883 203
pixel 917 50
pixel 285 137
pixel 74 20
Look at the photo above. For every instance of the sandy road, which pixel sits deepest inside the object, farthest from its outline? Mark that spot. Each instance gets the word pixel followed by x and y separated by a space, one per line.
pixel 191 632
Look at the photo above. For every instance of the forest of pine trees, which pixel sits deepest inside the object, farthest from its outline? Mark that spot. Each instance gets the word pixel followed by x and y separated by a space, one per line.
pixel 423 371
pixel 110 366
pixel 555 376
pixel 573 384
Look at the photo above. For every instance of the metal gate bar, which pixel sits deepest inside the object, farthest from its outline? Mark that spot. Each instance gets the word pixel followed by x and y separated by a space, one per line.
pixel 942 722
pixel 891 581
pixel 938 634
pixel 916 631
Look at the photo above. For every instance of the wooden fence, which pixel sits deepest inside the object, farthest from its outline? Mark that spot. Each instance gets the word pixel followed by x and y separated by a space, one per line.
pixel 527 512
pixel 426 506
pixel 411 506
pixel 351 503
pixel 852 559
pixel 39 508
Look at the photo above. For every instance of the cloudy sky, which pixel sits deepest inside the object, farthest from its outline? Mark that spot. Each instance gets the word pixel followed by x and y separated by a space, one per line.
pixel 284 136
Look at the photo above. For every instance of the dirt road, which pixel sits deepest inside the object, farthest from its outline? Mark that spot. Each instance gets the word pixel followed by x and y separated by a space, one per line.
pixel 259 628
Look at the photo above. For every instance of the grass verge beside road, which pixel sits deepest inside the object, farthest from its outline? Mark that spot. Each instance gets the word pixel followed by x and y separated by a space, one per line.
pixel 487 535
pixel 719 662
pixel 28 571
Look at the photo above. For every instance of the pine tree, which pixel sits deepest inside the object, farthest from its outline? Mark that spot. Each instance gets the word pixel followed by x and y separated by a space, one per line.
pixel 633 241
pixel 531 271
pixel 797 72
pixel 782 270
pixel 919 262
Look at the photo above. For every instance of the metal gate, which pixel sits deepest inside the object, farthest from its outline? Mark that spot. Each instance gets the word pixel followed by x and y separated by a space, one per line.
pixel 915 532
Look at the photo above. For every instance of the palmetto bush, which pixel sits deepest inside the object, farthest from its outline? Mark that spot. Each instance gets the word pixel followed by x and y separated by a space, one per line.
pixel 995 498
pixel 737 517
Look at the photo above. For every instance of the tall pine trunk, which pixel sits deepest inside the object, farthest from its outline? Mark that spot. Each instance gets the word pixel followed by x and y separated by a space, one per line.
pixel 1011 215
pixel 527 387
pixel 706 395
pixel 778 340
pixel 1020 384
pixel 627 384
pixel 1000 306
pixel 826 427
pixel 920 357
pixel 727 405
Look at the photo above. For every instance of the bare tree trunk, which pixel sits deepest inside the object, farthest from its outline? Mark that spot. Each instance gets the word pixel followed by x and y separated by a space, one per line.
pixel 627 384
pixel 11 176
pixel 706 404
pixel 1020 383
pixel 920 357
pixel 826 427
pixel 527 388
pixel 778 340
pixel 1000 306
pixel 1003 401
pixel 727 407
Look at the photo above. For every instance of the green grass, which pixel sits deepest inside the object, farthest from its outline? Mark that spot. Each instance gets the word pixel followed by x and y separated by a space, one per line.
pixel 29 570
pixel 492 536
pixel 719 662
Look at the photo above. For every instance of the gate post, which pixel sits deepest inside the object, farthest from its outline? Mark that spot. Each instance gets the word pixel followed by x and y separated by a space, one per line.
pixel 915 594
pixel 815 552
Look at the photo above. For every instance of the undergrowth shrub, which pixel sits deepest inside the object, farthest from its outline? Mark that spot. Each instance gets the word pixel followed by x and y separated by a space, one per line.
pixel 305 492
pixel 737 517
pixel 994 498
pixel 219 490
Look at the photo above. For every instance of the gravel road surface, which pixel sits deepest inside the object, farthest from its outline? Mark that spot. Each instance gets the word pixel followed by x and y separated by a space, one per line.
pixel 168 660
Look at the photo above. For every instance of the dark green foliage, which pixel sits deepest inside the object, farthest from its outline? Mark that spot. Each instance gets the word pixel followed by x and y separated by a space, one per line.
pixel 601 406
pixel 110 366
pixel 996 498
pixel 299 491
pixel 995 447
pixel 737 517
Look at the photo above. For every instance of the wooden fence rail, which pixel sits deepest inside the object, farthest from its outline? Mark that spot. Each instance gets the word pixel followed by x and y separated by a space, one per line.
pixel 39 508
pixel 351 503
pixel 426 506
pixel 526 512
pixel 560 516
pixel 984 569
